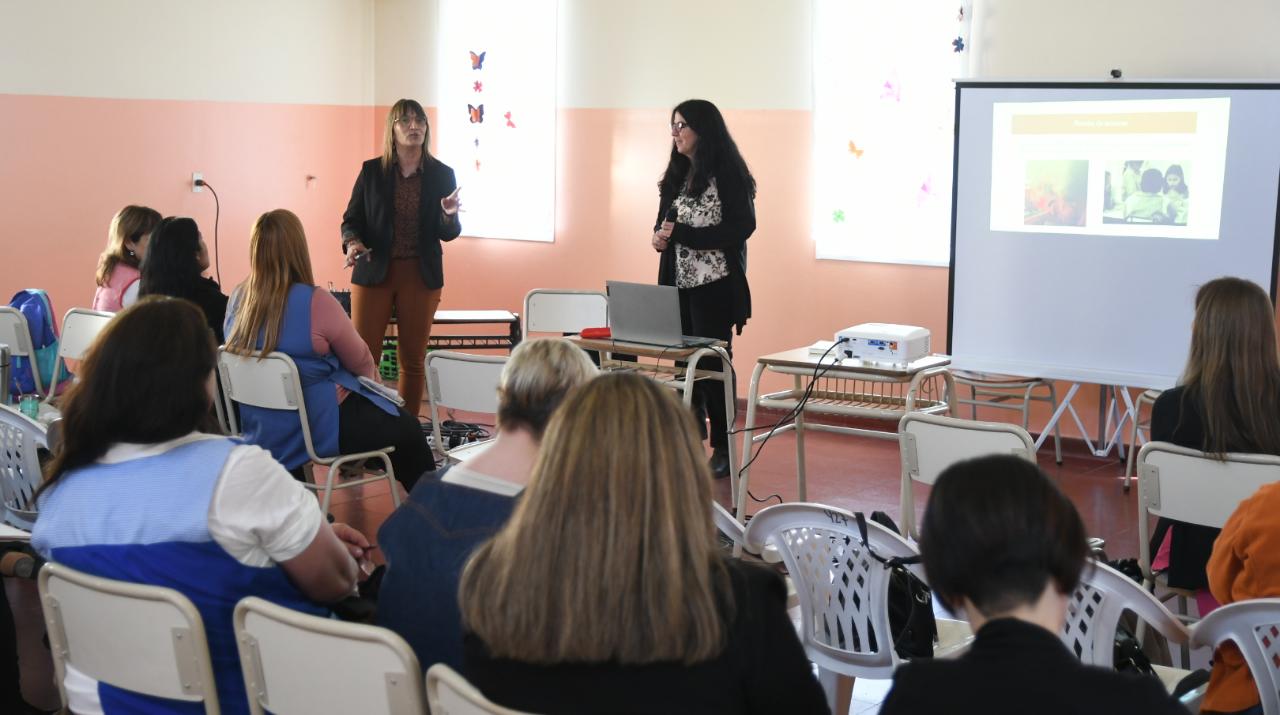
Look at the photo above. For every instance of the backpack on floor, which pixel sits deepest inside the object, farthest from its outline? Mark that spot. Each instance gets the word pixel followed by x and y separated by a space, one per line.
pixel 35 306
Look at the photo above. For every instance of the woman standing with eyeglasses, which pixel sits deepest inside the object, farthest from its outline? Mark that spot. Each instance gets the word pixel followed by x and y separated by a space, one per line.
pixel 403 205
pixel 706 213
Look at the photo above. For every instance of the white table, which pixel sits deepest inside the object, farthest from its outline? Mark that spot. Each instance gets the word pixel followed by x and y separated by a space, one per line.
pixel 846 388
pixel 665 369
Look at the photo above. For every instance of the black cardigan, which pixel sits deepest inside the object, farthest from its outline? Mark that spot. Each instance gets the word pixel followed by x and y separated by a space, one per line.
pixel 1016 667
pixel 737 223
pixel 370 218
pixel 763 669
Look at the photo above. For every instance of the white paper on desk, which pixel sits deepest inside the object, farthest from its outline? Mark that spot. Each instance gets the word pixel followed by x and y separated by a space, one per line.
pixel 383 390
pixel 821 347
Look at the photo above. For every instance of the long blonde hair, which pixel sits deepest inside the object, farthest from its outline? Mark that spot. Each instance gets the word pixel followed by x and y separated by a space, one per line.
pixel 1233 367
pixel 400 109
pixel 278 258
pixel 131 224
pixel 611 553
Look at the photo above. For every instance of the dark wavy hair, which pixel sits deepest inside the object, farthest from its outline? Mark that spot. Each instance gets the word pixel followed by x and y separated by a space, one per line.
pixel 715 155
pixel 172 266
pixel 144 380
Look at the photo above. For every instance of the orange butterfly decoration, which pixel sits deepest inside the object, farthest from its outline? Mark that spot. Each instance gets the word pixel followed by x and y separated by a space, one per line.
pixel 477 113
pixel 477 61
pixel 853 149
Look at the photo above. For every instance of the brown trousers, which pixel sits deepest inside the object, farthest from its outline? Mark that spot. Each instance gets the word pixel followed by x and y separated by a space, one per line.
pixel 415 306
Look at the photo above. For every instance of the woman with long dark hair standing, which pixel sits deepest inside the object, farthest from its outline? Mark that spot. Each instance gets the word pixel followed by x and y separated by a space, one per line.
pixel 176 260
pixel 404 204
pixel 706 213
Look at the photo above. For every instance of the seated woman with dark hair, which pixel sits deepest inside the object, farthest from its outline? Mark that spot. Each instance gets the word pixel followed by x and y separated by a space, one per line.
pixel 1002 544
pixel 428 539
pixel 606 591
pixel 175 262
pixel 143 490
pixel 1228 400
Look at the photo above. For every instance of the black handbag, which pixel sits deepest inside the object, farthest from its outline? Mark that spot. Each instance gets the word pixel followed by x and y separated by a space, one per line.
pixel 911 620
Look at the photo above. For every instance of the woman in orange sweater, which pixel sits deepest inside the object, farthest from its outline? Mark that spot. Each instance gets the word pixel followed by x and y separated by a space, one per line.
pixel 1245 564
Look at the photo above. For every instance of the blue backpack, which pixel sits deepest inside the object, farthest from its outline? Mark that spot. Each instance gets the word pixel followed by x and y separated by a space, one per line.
pixel 35 306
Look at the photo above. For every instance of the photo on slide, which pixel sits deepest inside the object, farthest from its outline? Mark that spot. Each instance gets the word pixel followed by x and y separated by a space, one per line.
pixel 1056 192
pixel 1146 191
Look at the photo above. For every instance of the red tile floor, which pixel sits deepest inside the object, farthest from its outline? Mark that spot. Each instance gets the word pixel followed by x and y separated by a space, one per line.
pixel 855 473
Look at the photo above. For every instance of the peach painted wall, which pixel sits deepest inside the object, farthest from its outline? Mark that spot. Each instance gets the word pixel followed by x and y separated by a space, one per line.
pixel 610 160
pixel 61 186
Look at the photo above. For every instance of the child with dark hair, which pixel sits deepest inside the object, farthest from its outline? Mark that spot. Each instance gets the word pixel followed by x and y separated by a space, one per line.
pixel 1002 544
pixel 1147 205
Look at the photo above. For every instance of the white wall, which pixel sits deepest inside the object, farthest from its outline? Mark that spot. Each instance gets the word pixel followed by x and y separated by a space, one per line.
pixel 1165 39
pixel 285 51
pixel 620 54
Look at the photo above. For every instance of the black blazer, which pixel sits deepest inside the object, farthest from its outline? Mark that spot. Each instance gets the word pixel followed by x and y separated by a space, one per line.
pixel 370 218
pixel 1017 667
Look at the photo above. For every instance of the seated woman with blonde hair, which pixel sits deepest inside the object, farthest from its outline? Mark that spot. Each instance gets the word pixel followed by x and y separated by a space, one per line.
pixel 118 266
pixel 607 592
pixel 280 308
pixel 428 539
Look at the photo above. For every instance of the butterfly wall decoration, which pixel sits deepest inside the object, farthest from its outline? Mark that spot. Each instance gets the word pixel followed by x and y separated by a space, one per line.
pixel 477 113
pixel 477 61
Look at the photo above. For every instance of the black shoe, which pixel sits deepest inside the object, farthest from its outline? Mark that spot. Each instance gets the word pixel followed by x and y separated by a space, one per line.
pixel 719 463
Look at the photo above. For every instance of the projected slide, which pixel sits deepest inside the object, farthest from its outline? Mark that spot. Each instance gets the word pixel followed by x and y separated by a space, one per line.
pixel 1143 168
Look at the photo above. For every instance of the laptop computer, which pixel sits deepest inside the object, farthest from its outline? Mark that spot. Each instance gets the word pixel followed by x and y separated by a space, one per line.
pixel 649 315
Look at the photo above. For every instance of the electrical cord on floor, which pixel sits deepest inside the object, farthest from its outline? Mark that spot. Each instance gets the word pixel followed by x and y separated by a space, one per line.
pixel 818 371
pixel 455 433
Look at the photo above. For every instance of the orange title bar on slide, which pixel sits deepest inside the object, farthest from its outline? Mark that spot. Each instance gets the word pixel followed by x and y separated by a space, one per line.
pixel 1126 123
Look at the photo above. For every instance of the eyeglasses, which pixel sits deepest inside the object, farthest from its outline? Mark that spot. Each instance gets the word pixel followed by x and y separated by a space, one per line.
pixel 409 121
pixel 678 126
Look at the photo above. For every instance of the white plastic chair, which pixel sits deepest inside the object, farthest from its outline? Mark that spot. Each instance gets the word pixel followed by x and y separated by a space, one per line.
pixel 273 383
pixel 80 327
pixel 20 439
pixel 15 333
pixel 1094 612
pixel 461 381
pixel 146 639
pixel 295 663
pixel 1254 626
pixel 549 310
pixel 450 694
pixel 931 443
pixel 843 590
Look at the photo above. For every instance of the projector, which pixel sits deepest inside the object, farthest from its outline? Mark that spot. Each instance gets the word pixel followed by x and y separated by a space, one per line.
pixel 883 342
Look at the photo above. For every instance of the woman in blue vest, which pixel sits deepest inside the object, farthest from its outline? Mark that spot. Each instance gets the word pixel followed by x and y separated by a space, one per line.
pixel 280 308
pixel 141 491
